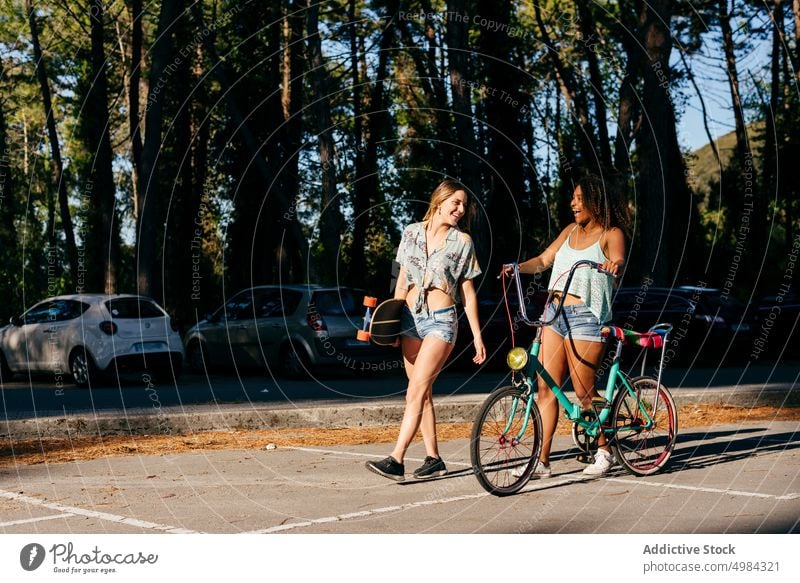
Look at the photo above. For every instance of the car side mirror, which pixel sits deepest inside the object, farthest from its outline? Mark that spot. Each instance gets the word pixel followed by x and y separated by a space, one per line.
pixel 15 321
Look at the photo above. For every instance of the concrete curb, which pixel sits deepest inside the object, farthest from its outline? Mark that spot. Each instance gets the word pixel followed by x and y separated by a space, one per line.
pixel 329 414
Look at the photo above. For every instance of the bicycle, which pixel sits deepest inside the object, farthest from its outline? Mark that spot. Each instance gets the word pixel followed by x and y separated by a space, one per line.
pixel 637 416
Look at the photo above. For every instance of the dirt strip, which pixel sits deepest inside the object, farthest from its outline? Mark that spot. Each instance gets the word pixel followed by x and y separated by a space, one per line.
pixel 51 451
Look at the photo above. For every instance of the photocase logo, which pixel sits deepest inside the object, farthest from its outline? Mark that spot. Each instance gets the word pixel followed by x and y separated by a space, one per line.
pixel 31 556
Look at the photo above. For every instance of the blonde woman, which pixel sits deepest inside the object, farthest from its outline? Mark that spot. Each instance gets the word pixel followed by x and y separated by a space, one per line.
pixel 437 265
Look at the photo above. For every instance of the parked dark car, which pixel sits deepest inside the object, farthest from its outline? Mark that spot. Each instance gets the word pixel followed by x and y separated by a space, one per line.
pixel 289 329
pixel 707 324
pixel 779 327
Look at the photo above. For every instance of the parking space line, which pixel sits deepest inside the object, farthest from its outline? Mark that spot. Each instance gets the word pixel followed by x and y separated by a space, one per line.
pixel 366 513
pixel 73 510
pixel 791 496
pixel 531 487
pixel 31 520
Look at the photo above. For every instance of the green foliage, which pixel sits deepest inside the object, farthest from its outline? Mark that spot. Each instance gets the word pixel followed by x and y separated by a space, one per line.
pixel 239 158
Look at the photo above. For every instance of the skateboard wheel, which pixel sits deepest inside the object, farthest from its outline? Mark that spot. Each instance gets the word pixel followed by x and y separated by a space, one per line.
pixel 370 301
pixel 362 335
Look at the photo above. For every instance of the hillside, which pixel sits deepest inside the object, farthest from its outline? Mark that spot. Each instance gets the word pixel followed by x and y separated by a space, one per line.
pixel 702 165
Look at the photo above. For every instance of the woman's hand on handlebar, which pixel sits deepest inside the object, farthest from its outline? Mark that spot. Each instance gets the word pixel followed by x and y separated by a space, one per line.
pixel 507 269
pixel 611 267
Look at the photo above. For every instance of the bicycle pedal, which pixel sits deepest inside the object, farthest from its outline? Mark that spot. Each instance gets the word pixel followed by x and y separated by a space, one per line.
pixel 585 458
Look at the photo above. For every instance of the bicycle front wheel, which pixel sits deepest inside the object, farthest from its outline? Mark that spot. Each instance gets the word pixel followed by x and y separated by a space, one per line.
pixel 502 454
pixel 645 426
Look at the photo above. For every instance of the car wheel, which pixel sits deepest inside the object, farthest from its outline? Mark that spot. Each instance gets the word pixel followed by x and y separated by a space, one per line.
pixel 5 373
pixel 294 363
pixel 197 357
pixel 82 367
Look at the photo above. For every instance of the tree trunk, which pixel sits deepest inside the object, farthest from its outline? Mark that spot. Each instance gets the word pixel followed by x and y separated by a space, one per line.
pixel 293 123
pixel 147 228
pixel 431 79
pixel 505 136
pixel 742 147
pixel 58 180
pixel 665 202
pixel 254 249
pixel 8 237
pixel 596 81
pixel 330 221
pixel 102 229
pixel 367 194
pixel 134 125
pixel 569 90
pixel 796 12
pixel 770 171
pixel 468 155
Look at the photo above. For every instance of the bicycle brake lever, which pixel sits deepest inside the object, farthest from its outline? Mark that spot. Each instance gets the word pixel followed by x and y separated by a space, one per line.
pixel 503 269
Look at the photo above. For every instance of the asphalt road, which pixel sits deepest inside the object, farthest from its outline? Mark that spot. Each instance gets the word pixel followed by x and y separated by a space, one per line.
pixel 722 479
pixel 22 397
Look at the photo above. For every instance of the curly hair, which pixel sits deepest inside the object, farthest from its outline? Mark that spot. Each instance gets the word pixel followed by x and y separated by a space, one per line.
pixel 603 202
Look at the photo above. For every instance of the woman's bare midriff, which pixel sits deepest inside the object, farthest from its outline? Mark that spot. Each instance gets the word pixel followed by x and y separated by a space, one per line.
pixel 570 300
pixel 437 299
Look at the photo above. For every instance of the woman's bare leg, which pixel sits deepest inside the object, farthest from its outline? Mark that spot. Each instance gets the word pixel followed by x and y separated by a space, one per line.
pixel 584 358
pixel 553 356
pixel 429 360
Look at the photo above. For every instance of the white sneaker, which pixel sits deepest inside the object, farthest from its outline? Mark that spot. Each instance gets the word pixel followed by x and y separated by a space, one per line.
pixel 542 471
pixel 603 461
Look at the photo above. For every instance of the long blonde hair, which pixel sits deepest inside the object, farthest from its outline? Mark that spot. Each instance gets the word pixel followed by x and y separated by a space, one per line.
pixel 447 188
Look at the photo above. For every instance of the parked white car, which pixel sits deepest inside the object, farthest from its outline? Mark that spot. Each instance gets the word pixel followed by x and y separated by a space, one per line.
pixel 84 335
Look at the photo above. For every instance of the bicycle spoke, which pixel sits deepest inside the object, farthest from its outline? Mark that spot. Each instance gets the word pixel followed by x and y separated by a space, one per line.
pixel 498 444
pixel 646 426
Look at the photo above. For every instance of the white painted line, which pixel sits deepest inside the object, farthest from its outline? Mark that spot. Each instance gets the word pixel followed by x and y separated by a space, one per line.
pixel 70 510
pixel 31 520
pixel 532 486
pixel 365 513
pixel 704 489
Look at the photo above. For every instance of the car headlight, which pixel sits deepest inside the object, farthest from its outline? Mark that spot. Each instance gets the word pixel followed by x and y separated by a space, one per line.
pixel 517 358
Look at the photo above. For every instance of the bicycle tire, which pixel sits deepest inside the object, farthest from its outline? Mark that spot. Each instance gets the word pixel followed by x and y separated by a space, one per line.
pixel 496 455
pixel 641 451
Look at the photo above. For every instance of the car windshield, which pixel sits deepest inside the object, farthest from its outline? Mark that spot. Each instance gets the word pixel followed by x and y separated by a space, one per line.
pixel 341 302
pixel 133 308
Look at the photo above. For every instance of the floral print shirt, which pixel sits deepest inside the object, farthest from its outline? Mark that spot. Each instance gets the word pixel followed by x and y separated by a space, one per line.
pixel 443 268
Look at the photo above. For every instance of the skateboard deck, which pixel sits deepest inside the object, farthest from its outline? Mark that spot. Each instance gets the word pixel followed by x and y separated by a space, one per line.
pixel 384 329
pixel 383 323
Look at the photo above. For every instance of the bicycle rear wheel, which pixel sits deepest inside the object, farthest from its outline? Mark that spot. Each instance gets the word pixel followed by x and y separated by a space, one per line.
pixel 502 458
pixel 640 449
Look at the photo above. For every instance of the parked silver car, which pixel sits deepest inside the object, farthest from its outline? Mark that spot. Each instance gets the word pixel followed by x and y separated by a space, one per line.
pixel 87 334
pixel 289 329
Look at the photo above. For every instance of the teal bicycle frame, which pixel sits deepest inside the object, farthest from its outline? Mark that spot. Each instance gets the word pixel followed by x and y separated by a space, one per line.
pixel 535 369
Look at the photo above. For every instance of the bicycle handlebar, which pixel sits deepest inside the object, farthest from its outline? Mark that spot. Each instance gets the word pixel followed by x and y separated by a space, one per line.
pixel 523 311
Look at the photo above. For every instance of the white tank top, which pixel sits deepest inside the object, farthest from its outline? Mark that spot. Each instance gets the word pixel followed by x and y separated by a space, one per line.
pixel 592 287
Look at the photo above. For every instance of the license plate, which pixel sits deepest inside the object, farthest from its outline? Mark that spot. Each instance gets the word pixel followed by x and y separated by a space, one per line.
pixel 149 346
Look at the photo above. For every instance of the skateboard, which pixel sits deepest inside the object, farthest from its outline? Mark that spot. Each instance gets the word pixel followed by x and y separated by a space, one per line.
pixel 381 323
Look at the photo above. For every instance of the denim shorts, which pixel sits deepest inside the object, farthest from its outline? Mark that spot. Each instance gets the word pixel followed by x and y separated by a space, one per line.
pixel 575 321
pixel 441 324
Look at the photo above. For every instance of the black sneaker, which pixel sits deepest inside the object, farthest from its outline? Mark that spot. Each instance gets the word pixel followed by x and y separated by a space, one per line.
pixel 430 468
pixel 388 468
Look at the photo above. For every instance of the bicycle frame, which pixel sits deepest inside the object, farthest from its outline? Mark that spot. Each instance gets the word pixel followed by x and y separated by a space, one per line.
pixel 535 369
